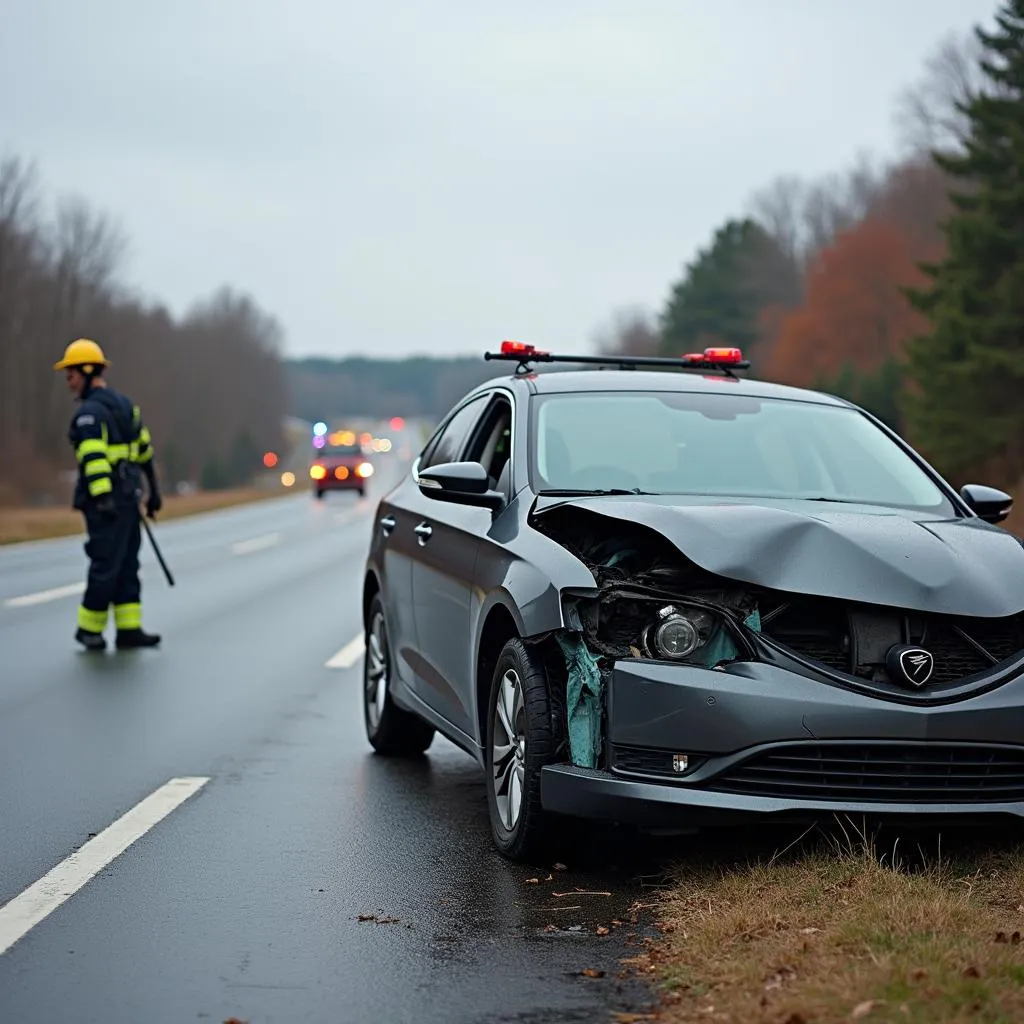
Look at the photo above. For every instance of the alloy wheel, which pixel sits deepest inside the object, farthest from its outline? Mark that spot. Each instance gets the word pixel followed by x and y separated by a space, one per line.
pixel 508 750
pixel 375 680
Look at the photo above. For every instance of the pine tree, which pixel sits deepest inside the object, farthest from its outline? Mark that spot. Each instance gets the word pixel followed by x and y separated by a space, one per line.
pixel 967 400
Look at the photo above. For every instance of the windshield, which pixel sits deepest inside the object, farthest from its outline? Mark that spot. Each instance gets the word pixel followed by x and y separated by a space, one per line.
pixel 722 445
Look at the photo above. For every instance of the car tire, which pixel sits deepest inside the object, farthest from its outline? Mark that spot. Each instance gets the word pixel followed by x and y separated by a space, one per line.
pixel 391 731
pixel 519 677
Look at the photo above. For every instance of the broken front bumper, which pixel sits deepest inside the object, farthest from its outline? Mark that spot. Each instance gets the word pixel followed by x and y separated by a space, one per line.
pixel 689 746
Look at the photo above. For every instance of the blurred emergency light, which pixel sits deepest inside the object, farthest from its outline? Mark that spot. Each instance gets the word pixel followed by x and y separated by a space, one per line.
pixel 518 348
pixel 269 460
pixel 366 438
pixel 319 429
pixel 397 423
pixel 715 355
pixel 319 442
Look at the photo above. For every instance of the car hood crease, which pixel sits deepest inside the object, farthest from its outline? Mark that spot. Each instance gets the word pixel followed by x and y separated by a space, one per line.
pixel 944 566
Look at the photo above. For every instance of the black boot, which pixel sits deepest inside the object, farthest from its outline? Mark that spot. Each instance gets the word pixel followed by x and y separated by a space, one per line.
pixel 132 638
pixel 91 641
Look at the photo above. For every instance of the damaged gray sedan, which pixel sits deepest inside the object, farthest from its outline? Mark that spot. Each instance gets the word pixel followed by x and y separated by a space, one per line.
pixel 675 599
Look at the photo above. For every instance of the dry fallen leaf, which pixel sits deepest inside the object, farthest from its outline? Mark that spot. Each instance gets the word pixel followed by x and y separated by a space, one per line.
pixel 592 972
pixel 533 881
pixel 551 928
pixel 559 867
pixel 387 920
pixel 863 1009
pixel 367 917
pixel 809 931
pixel 235 1020
pixel 601 930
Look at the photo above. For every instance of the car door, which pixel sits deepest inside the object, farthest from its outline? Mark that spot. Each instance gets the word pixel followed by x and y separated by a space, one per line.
pixel 393 551
pixel 448 537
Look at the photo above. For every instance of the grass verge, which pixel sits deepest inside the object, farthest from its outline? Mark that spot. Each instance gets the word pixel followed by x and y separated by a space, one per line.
pixel 843 933
pixel 21 524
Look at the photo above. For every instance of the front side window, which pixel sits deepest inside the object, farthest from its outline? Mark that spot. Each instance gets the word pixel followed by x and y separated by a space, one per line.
pixel 449 444
pixel 722 445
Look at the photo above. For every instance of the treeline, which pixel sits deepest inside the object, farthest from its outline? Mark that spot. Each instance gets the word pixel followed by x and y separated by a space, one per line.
pixel 897 286
pixel 332 389
pixel 211 384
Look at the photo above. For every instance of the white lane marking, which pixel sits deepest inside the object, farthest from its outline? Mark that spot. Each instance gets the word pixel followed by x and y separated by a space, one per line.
pixel 349 654
pixel 45 595
pixel 39 900
pixel 246 547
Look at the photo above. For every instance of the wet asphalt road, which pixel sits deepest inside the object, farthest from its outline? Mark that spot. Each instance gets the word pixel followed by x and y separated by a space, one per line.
pixel 244 901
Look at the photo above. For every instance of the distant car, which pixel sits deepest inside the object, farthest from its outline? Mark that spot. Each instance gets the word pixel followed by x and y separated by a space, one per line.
pixel 678 599
pixel 340 467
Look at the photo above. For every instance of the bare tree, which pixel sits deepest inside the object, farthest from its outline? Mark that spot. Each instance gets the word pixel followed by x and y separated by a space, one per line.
pixel 929 113
pixel 631 333
pixel 805 217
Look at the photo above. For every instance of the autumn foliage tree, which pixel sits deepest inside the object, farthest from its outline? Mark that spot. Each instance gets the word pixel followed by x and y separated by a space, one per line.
pixel 855 321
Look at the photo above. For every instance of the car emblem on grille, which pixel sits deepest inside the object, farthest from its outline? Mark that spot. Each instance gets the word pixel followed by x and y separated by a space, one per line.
pixel 911 666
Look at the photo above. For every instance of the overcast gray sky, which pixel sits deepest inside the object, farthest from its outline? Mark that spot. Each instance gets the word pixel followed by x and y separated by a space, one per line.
pixel 394 177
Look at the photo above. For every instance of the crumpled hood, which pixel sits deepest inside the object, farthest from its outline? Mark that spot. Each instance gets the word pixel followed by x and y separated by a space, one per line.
pixel 905 560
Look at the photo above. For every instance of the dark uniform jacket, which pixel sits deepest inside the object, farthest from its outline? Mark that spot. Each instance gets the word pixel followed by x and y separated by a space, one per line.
pixel 111 445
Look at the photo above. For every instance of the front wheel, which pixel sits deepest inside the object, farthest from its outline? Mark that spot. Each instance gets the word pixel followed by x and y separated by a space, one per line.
pixel 520 741
pixel 390 730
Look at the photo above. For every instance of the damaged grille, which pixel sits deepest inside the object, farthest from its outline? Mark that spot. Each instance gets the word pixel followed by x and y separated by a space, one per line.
pixel 854 639
pixel 922 772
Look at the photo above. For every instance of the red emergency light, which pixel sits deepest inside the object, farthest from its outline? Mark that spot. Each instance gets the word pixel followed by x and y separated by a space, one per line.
pixel 519 348
pixel 715 355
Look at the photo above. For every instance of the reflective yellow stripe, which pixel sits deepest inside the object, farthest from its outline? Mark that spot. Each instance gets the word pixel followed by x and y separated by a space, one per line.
pixel 128 616
pixel 144 458
pixel 117 452
pixel 94 622
pixel 97 466
pixel 101 485
pixel 92 446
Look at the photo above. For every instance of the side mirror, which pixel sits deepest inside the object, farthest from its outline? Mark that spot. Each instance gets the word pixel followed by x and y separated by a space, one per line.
pixel 991 505
pixel 461 483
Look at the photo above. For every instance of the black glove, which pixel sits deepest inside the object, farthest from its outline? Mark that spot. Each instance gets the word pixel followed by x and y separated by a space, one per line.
pixel 153 503
pixel 105 506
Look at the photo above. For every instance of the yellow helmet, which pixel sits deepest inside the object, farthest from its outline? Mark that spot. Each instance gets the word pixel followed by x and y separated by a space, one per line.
pixel 82 353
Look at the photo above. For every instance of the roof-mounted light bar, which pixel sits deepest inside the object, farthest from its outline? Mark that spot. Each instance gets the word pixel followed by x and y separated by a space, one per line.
pixel 724 360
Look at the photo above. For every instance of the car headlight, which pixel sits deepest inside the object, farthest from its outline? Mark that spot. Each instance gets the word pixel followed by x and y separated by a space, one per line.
pixel 679 632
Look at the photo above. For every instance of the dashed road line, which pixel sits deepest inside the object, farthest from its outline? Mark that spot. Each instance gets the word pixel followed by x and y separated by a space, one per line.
pixel 42 596
pixel 247 547
pixel 41 899
pixel 349 654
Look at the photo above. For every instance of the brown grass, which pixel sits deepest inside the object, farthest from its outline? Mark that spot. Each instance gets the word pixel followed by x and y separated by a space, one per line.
pixel 21 524
pixel 840 935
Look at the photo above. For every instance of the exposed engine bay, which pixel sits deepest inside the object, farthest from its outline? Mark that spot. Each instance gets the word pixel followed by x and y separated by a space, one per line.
pixel 655 603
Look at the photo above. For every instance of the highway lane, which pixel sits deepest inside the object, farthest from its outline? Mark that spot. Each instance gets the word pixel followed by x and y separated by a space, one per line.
pixel 243 901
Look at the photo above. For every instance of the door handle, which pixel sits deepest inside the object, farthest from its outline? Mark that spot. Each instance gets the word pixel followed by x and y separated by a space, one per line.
pixel 387 524
pixel 423 531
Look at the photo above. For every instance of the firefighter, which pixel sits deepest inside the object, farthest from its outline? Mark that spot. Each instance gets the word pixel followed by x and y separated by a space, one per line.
pixel 114 449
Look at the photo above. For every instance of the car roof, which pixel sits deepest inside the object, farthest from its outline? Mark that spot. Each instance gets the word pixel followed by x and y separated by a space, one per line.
pixel 573 381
